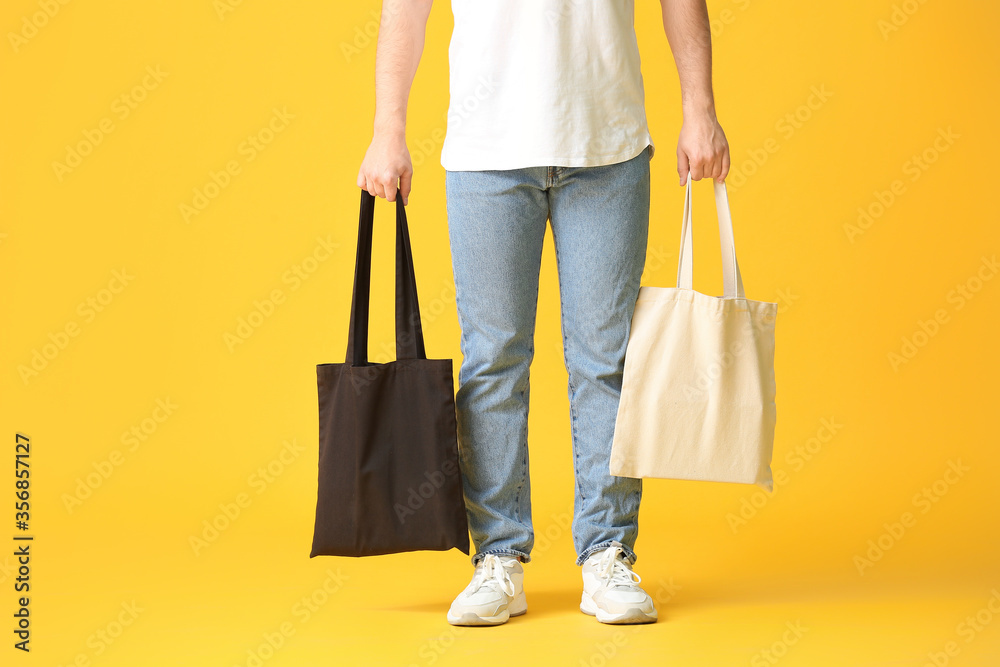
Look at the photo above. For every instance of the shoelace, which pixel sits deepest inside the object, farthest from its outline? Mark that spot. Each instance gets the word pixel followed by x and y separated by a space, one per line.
pixel 614 571
pixel 494 574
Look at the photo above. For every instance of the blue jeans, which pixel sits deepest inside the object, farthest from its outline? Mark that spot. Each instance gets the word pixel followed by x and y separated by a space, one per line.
pixel 496 223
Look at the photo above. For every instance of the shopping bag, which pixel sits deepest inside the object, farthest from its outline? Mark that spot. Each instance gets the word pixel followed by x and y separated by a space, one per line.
pixel 698 389
pixel 389 478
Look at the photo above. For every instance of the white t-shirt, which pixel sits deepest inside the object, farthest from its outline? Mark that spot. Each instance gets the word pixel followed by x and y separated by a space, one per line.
pixel 543 83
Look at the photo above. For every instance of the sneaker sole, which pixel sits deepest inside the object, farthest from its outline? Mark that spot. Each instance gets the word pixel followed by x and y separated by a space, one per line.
pixel 519 604
pixel 628 617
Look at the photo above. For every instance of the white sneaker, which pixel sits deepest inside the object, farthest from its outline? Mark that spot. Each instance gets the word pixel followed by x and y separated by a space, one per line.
pixel 610 592
pixel 495 593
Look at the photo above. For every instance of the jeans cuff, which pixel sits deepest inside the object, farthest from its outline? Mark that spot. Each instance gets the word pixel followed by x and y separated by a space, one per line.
pixel 630 555
pixel 523 557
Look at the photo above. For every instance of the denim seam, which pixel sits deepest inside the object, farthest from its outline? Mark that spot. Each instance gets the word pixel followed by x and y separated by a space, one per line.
pixel 523 445
pixel 572 391
pixel 574 432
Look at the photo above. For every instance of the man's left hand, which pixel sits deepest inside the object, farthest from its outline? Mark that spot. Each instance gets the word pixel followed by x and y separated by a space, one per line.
pixel 702 149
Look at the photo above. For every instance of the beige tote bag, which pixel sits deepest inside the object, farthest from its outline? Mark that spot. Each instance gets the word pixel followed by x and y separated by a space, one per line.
pixel 697 398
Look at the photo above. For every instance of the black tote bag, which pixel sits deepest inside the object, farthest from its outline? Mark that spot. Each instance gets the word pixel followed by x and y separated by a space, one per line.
pixel 389 478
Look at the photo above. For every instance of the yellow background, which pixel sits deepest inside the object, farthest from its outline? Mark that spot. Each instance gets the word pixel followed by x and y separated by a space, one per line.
pixel 726 594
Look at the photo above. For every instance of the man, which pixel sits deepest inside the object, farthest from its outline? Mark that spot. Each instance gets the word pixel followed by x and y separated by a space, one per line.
pixel 546 122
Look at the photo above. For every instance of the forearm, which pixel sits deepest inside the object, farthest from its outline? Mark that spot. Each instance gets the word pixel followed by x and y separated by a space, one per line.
pixel 400 45
pixel 689 34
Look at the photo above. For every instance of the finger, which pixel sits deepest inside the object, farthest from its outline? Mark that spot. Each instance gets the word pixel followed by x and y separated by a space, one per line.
pixel 370 186
pixel 405 181
pixel 379 189
pixel 717 168
pixel 725 166
pixel 362 182
pixel 697 171
pixel 683 166
pixel 390 188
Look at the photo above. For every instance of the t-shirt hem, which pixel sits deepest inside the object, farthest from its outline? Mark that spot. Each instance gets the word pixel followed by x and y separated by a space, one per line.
pixel 461 164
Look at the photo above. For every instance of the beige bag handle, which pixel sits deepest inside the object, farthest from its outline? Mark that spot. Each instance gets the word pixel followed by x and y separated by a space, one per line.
pixel 732 281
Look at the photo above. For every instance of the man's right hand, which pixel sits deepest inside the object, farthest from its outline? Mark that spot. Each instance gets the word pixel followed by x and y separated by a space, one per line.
pixel 386 168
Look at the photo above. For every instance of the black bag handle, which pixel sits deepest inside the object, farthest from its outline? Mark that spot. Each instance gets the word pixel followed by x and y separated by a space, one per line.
pixel 409 333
